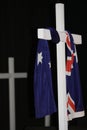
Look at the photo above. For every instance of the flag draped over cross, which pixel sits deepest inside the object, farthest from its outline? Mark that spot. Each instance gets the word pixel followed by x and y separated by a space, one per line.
pixel 11 76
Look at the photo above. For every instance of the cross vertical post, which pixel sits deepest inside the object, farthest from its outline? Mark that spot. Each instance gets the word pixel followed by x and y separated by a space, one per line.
pixel 11 95
pixel 47 121
pixel 61 79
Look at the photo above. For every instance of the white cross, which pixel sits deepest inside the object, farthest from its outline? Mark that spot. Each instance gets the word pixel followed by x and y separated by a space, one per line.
pixel 45 34
pixel 11 75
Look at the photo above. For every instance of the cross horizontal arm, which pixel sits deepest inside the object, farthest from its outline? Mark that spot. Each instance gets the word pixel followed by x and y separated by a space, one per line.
pixel 14 75
pixel 45 34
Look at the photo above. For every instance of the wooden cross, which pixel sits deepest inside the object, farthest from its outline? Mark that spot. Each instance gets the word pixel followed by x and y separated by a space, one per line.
pixel 11 75
pixel 60 47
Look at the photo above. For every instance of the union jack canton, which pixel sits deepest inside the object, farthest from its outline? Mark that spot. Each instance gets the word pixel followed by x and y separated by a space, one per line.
pixel 75 106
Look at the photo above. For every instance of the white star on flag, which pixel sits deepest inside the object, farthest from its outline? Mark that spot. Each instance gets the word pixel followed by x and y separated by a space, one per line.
pixel 49 64
pixel 39 59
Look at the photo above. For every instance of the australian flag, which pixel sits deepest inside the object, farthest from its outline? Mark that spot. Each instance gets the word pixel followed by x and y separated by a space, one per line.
pixel 43 87
pixel 75 106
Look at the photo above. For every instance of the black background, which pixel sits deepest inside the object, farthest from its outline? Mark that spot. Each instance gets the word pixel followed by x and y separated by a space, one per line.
pixel 19 23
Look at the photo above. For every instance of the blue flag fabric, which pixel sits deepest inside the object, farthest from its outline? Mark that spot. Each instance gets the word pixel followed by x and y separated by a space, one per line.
pixel 75 106
pixel 43 88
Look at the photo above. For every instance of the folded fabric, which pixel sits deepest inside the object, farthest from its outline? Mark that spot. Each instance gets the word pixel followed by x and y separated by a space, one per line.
pixel 75 106
pixel 44 100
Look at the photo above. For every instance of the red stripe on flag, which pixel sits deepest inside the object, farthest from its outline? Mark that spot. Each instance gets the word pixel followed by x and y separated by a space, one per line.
pixel 68 41
pixel 69 63
pixel 71 103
